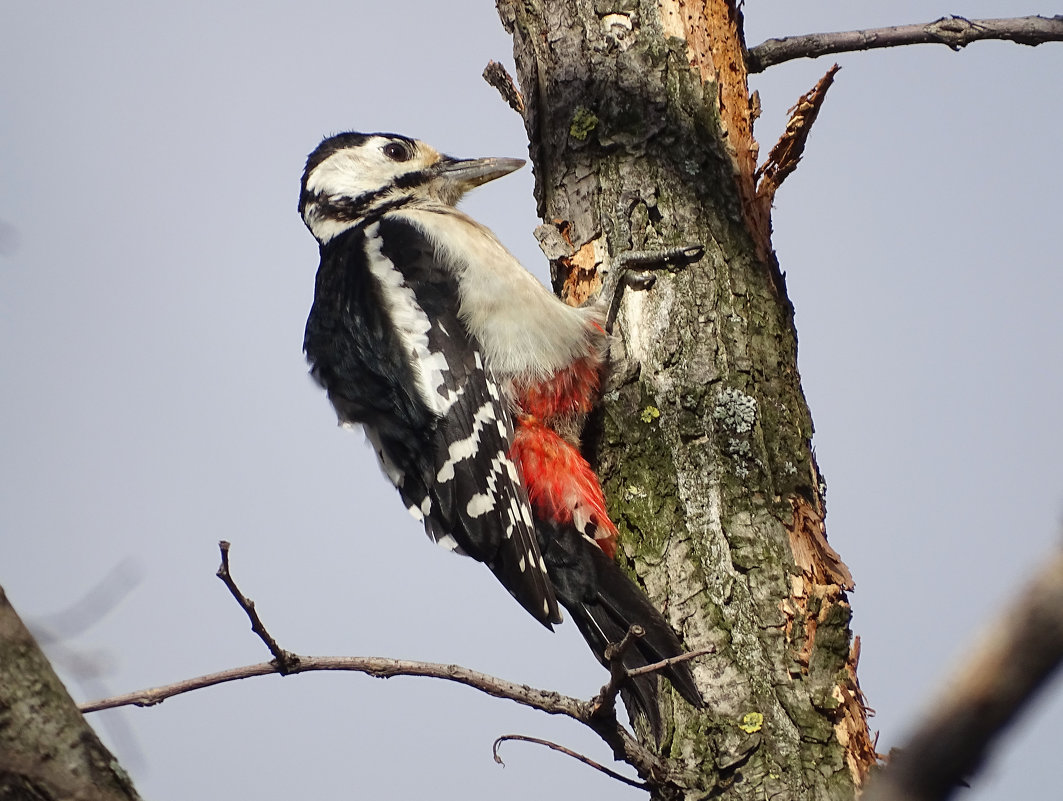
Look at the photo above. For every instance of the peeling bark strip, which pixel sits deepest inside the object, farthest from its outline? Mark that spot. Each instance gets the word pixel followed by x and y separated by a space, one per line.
pixel 640 128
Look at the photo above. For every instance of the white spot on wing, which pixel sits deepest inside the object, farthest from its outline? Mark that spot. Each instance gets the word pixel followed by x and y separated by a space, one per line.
pixel 448 542
pixel 480 504
pixel 464 448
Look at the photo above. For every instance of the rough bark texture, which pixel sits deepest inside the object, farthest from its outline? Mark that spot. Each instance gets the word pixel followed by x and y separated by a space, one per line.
pixel 47 750
pixel 640 131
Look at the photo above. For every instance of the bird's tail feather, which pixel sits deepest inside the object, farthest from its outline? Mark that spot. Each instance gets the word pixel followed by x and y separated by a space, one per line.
pixel 605 617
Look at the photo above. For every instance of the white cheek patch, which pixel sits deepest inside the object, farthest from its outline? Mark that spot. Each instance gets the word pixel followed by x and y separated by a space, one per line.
pixel 354 172
pixel 357 171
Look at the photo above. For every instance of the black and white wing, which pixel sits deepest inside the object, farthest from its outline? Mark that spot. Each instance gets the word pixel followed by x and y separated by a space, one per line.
pixel 385 339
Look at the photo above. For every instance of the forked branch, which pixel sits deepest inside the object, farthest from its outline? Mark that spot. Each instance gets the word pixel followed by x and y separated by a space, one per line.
pixel 598 713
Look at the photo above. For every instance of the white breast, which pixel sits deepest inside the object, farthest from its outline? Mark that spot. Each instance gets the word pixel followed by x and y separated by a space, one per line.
pixel 522 327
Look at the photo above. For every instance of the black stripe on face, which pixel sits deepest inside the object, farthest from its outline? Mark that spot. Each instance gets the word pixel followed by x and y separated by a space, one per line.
pixel 363 207
pixel 411 179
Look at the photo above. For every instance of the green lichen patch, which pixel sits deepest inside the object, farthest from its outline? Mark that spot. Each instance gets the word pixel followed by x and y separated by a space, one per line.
pixel 751 722
pixel 584 121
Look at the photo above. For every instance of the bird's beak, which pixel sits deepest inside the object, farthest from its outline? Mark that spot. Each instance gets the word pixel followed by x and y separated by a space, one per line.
pixel 465 174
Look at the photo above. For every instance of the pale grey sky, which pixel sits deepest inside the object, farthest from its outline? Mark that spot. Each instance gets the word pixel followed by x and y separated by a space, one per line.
pixel 156 399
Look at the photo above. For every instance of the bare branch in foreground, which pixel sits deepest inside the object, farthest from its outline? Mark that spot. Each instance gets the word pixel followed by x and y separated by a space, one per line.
pixel 954 32
pixel 568 752
pixel 593 714
pixel 1014 660
pixel 624 745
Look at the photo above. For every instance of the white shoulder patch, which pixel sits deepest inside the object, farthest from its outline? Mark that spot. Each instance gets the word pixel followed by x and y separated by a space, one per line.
pixel 411 323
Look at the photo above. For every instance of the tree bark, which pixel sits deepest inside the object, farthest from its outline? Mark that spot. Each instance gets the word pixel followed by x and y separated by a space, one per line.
pixel 47 750
pixel 640 129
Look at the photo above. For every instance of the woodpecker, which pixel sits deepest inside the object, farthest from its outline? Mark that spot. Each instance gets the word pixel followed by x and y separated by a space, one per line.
pixel 472 382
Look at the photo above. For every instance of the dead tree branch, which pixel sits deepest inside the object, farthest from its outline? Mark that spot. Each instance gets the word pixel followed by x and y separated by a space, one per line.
pixel 1015 658
pixel 605 702
pixel 954 32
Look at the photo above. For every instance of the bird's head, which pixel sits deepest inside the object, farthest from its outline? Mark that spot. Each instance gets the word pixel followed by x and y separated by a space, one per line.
pixel 351 176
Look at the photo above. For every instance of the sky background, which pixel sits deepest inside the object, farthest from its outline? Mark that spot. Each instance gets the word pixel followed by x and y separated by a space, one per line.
pixel 154 282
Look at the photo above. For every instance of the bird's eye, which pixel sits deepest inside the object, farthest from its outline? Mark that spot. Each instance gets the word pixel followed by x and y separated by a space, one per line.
pixel 397 152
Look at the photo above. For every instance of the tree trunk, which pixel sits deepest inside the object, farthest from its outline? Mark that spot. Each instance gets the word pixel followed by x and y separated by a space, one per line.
pixel 640 129
pixel 47 750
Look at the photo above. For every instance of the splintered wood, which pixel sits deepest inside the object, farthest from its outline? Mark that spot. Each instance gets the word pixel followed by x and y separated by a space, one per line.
pixel 783 158
pixel 582 279
pixel 575 270
pixel 819 563
pixel 814 593
pixel 851 727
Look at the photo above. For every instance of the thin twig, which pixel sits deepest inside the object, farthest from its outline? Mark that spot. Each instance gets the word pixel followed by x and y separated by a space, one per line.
pixel 953 32
pixel 1014 660
pixel 568 752
pixel 287 662
pixel 653 667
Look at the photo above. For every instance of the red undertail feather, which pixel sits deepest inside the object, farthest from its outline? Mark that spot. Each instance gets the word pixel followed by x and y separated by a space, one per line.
pixel 561 486
pixel 568 392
